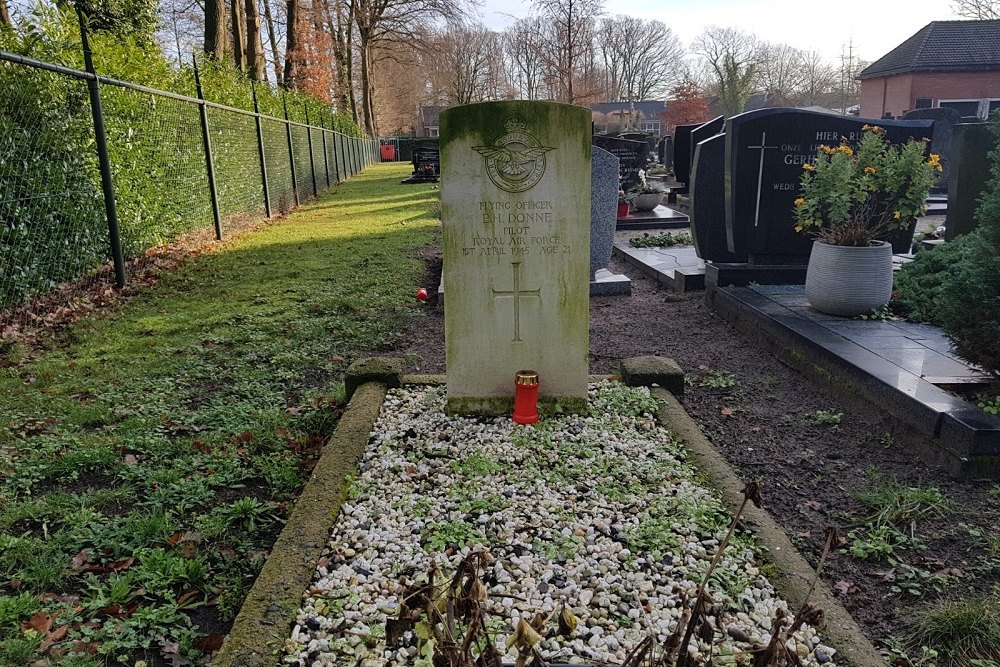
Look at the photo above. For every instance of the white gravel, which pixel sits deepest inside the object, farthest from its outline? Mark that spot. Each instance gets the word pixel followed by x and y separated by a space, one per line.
pixel 599 512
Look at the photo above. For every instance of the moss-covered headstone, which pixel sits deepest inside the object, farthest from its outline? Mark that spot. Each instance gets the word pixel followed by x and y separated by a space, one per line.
pixel 515 203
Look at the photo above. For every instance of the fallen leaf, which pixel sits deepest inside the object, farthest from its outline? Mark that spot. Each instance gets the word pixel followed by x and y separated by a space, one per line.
pixel 80 559
pixel 728 412
pixel 845 587
pixel 131 459
pixel 814 505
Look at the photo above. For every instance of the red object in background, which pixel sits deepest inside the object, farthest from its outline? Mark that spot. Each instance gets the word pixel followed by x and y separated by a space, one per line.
pixel 526 397
pixel 622 209
pixel 388 152
pixel 422 294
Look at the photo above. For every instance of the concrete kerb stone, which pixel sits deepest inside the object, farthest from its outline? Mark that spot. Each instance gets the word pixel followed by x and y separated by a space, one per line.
pixel 649 370
pixel 385 370
pixel 794 573
pixel 263 623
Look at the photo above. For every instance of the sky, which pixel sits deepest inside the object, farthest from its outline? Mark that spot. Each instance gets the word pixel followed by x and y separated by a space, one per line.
pixel 874 26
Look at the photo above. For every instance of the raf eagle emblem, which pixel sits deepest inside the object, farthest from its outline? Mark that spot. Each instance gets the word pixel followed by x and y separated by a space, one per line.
pixel 515 162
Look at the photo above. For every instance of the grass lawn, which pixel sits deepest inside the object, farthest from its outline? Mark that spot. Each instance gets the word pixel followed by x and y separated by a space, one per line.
pixel 148 460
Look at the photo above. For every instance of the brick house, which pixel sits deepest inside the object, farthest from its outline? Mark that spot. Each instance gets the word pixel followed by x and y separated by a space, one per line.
pixel 429 122
pixel 952 64
pixel 640 116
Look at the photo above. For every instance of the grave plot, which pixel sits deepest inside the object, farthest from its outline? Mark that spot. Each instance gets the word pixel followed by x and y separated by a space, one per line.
pixel 598 515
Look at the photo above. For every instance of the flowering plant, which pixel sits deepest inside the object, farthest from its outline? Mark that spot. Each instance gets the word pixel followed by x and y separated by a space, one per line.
pixel 851 196
pixel 644 187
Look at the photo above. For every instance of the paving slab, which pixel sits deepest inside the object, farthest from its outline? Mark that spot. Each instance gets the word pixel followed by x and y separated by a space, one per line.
pixel 661 217
pixel 904 368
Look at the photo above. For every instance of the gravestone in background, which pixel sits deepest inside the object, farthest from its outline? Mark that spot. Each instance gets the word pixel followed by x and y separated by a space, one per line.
pixel 604 171
pixel 708 196
pixel 649 139
pixel 705 131
pixel 970 170
pixel 944 120
pixel 765 151
pixel 682 155
pixel 631 156
pixel 515 208
pixel 665 152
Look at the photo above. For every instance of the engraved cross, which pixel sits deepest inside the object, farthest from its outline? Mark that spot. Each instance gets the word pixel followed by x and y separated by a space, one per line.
pixel 760 173
pixel 517 294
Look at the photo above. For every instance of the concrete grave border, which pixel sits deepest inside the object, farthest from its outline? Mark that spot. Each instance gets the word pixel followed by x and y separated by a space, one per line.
pixel 265 619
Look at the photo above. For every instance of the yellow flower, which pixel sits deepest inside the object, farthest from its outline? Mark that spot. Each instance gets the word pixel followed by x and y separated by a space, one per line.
pixel 800 202
pixel 896 215
pixel 827 149
pixel 866 126
pixel 808 167
pixel 935 161
pixel 846 150
pixel 869 170
pixel 798 228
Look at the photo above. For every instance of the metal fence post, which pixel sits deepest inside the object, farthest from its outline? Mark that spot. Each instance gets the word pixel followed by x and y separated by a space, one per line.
pixel 326 159
pixel 342 156
pixel 291 154
pixel 312 160
pixel 107 184
pixel 336 155
pixel 207 141
pixel 260 150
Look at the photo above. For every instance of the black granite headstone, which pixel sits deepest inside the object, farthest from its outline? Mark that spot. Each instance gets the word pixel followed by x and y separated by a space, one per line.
pixel 682 155
pixel 706 131
pixel 944 119
pixel 665 152
pixel 970 169
pixel 765 151
pixel 708 196
pixel 631 155
pixel 649 139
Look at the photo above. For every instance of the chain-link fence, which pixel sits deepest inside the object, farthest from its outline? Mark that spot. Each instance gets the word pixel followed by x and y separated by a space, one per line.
pixel 96 174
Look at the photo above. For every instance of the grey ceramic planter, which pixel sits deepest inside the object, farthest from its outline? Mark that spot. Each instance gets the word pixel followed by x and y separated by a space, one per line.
pixel 848 281
pixel 647 202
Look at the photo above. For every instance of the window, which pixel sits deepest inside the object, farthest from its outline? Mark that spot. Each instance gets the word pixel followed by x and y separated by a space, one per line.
pixel 652 127
pixel 432 131
pixel 994 105
pixel 923 103
pixel 963 107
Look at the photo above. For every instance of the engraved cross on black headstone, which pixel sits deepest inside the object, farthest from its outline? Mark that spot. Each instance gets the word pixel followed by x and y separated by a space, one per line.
pixel 760 174
pixel 517 294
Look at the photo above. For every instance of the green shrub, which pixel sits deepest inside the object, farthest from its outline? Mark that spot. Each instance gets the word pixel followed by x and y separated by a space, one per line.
pixel 970 303
pixel 920 285
pixel 52 221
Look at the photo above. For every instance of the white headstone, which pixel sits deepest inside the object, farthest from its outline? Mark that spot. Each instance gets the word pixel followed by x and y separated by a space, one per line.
pixel 515 205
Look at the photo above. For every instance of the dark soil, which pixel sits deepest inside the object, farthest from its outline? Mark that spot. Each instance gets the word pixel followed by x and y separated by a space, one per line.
pixel 765 427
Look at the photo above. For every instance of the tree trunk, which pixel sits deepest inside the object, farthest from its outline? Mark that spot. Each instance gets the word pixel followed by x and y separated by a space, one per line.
pixel 215 29
pixel 292 46
pixel 238 40
pixel 367 87
pixel 335 23
pixel 255 49
pixel 5 14
pixel 352 99
pixel 273 39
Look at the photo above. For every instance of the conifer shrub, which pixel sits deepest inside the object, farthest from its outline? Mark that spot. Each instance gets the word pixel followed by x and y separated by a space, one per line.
pixel 970 299
pixel 919 286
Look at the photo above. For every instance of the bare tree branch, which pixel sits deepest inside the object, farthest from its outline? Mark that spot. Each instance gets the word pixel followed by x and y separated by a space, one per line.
pixel 977 9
